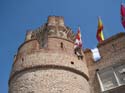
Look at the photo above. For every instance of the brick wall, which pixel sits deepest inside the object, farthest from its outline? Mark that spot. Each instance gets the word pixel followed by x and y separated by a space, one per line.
pixel 112 52
pixel 48 70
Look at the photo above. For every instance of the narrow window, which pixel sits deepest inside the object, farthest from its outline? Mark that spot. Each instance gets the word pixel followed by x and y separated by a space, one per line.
pixel 113 46
pixel 61 44
pixel 22 59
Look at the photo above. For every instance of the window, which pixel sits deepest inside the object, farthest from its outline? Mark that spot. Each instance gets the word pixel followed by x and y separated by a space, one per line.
pixel 120 72
pixel 111 77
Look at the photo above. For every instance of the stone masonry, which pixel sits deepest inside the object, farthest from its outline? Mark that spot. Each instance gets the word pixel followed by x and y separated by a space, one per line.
pixel 112 52
pixel 49 65
pixel 46 63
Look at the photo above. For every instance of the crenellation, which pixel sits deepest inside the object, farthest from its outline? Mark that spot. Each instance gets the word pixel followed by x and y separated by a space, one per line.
pixel 28 35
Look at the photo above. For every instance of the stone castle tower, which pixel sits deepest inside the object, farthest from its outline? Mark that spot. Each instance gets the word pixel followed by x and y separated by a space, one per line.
pixel 46 63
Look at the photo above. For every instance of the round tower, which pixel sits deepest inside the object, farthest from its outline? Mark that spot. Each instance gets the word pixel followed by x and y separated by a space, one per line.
pixel 46 63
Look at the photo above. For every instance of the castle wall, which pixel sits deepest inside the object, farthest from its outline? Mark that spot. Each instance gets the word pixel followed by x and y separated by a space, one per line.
pixel 112 52
pixel 46 62
pixel 48 80
pixel 53 69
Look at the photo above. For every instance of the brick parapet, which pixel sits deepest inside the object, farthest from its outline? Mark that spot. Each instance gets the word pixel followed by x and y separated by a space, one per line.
pixel 112 38
pixel 111 47
pixel 32 45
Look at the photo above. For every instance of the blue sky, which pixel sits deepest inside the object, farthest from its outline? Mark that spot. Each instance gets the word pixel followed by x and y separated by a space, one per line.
pixel 17 16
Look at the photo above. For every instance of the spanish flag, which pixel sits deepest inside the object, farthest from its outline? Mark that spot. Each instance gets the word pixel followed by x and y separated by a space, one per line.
pixel 99 35
pixel 123 14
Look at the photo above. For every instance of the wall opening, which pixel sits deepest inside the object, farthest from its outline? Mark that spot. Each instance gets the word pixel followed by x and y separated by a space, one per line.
pixel 111 77
pixel 72 62
pixel 61 45
pixel 22 59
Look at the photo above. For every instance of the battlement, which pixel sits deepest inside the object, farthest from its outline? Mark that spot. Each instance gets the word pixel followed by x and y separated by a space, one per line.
pixel 112 38
pixel 108 47
pixel 54 27
pixel 55 21
pixel 112 45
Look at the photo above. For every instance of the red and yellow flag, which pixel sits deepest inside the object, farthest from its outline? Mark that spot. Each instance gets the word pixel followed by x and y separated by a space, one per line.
pixel 99 35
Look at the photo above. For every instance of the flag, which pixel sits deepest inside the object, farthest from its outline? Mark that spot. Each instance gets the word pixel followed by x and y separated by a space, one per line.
pixel 96 54
pixel 123 14
pixel 78 40
pixel 99 35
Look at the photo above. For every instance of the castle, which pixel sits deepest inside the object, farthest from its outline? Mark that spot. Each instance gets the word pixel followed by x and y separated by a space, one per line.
pixel 46 63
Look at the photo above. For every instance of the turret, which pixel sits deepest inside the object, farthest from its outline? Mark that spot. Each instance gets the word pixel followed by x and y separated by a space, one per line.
pixel 46 63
